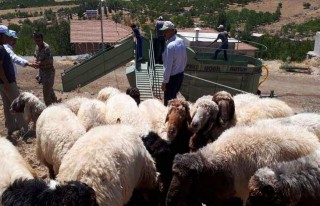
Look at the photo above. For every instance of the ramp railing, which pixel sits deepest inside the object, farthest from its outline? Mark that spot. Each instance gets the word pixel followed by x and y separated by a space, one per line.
pixel 97 66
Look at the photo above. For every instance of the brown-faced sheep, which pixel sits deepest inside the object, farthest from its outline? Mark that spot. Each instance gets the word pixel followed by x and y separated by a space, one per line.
pixel 57 130
pixel 92 113
pixel 221 170
pixel 107 92
pixel 28 104
pixel 177 124
pixel 287 183
pixel 247 114
pixel 113 161
pixel 204 117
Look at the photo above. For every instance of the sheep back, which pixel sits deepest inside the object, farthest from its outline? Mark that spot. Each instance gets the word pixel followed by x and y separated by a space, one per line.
pixel 113 161
pixel 107 92
pixel 154 113
pixel 74 103
pixel 57 130
pixel 92 113
pixel 12 165
pixel 242 150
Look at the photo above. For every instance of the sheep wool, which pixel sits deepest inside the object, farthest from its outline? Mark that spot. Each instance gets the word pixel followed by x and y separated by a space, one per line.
pixel 74 103
pixel 92 113
pixel 12 165
pixel 220 171
pixel 245 149
pixel 57 130
pixel 107 92
pixel 154 113
pixel 121 108
pixel 113 161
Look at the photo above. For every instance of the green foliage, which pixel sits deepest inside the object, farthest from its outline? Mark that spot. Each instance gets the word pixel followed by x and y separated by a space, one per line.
pixel 13 4
pixel 279 48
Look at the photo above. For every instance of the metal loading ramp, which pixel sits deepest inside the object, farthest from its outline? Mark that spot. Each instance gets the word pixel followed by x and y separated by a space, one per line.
pixel 97 66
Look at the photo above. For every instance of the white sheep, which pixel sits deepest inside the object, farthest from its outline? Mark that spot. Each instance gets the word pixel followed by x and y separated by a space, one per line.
pixel 107 92
pixel 248 113
pixel 290 183
pixel 57 130
pixel 113 161
pixel 221 170
pixel 19 185
pixel 121 108
pixel 74 103
pixel 309 121
pixel 204 117
pixel 92 113
pixel 244 99
pixel 12 165
pixel 154 113
pixel 28 104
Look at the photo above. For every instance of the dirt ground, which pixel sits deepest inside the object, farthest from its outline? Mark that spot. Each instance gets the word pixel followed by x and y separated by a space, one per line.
pixel 299 90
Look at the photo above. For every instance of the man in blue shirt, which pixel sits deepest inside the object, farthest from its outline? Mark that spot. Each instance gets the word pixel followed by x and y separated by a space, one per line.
pixel 174 62
pixel 137 34
pixel 223 35
pixel 8 86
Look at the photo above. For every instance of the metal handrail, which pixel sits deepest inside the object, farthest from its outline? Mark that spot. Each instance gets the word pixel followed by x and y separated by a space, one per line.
pixel 215 83
pixel 152 71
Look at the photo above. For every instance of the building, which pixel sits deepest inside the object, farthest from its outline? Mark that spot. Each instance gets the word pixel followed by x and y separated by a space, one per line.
pixel 85 35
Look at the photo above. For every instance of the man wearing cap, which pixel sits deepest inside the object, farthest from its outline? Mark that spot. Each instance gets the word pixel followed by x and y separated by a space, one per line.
pixel 15 58
pixel 174 62
pixel 160 41
pixel 44 61
pixel 8 87
pixel 223 35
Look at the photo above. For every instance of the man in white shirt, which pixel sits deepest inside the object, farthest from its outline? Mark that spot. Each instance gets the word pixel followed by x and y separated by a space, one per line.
pixel 174 62
pixel 15 59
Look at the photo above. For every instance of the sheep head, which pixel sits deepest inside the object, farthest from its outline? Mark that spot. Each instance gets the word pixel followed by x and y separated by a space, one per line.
pixel 134 93
pixel 226 107
pixel 205 115
pixel 18 104
pixel 178 116
pixel 183 188
pixel 263 189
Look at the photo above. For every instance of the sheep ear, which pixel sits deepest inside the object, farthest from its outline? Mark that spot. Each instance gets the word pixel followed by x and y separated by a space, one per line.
pixel 231 109
pixel 168 113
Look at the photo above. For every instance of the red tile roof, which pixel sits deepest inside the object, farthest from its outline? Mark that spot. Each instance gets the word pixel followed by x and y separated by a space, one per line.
pixel 82 31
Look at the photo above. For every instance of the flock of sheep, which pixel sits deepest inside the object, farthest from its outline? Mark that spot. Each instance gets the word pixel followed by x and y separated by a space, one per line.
pixel 113 150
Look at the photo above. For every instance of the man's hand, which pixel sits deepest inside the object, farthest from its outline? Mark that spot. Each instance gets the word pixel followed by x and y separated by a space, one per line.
pixel 163 86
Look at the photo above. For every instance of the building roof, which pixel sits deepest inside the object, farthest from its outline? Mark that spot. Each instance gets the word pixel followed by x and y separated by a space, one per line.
pixel 89 31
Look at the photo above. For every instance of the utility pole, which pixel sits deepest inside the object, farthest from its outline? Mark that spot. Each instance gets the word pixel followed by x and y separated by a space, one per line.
pixel 102 43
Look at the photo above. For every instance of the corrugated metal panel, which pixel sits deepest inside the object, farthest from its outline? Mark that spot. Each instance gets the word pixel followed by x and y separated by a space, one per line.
pixel 97 66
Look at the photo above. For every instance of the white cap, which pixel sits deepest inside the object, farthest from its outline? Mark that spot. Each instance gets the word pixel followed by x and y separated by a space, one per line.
pixel 160 18
pixel 220 26
pixel 13 34
pixel 167 25
pixel 4 30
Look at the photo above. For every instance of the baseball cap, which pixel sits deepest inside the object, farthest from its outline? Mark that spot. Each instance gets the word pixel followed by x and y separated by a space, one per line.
pixel 160 18
pixel 13 34
pixel 4 30
pixel 220 26
pixel 167 25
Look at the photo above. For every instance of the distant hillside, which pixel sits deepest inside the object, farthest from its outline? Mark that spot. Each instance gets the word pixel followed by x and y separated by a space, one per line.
pixel 293 11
